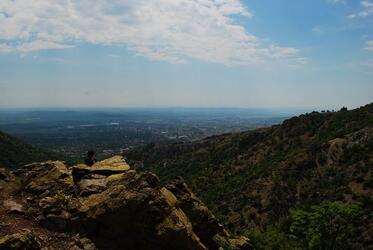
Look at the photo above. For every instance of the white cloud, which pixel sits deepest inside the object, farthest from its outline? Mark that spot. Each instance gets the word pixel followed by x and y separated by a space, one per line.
pixel 318 30
pixel 166 30
pixel 367 10
pixel 369 45
pixel 40 45
pixel 5 48
pixel 335 1
pixel 302 60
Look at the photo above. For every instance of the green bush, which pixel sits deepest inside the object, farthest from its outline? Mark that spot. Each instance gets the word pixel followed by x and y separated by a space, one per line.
pixel 273 238
pixel 328 225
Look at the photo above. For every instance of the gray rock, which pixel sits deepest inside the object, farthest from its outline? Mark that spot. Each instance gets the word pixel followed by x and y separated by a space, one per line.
pixel 91 186
pixel 14 207
pixel 19 241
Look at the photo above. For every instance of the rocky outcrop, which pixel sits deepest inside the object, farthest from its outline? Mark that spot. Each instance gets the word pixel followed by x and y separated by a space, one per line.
pixel 107 206
pixel 13 207
pixel 4 175
pixel 204 222
pixel 242 243
pixel 19 241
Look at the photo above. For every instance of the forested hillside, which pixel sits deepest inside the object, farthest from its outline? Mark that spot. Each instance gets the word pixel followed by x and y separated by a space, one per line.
pixel 304 184
pixel 16 153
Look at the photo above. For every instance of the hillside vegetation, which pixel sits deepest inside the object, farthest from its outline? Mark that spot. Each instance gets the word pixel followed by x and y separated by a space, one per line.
pixel 15 153
pixel 305 184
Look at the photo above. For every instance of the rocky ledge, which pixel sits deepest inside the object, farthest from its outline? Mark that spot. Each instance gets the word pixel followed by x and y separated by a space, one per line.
pixel 107 206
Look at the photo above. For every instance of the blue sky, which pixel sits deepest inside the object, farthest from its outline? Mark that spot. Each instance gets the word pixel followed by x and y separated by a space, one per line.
pixel 196 53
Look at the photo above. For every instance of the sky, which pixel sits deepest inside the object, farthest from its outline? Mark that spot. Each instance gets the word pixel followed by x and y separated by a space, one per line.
pixel 186 53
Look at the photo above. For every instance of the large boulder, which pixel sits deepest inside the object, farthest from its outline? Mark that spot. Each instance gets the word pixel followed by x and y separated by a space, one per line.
pixel 93 179
pixel 204 222
pixel 114 165
pixel 5 178
pixel 127 213
pixel 110 206
pixel 5 175
pixel 46 178
pixel 13 207
pixel 19 241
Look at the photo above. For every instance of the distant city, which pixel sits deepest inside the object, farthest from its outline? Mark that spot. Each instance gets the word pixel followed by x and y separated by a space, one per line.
pixel 114 131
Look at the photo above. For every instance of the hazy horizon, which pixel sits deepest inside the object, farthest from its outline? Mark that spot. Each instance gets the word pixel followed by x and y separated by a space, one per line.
pixel 173 108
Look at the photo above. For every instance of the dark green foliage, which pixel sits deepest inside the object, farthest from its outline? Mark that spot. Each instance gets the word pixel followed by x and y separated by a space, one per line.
pixel 329 225
pixel 345 122
pixel 15 153
pixel 249 140
pixel 273 238
pixel 344 109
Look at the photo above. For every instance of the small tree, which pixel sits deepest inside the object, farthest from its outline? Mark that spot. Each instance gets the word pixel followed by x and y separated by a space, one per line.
pixel 344 109
pixel 325 226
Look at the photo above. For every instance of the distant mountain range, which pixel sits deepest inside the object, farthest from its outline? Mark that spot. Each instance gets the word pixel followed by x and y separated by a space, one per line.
pixel 15 153
pixel 305 184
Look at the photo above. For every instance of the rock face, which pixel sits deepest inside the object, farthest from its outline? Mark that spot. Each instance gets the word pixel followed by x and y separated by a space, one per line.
pixel 204 222
pixel 4 175
pixel 19 241
pixel 13 207
pixel 107 206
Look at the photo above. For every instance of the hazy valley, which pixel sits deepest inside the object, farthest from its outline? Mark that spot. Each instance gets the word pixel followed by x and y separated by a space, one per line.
pixel 113 131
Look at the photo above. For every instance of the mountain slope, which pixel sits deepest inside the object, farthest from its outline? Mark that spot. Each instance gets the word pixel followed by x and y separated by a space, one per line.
pixel 260 179
pixel 16 153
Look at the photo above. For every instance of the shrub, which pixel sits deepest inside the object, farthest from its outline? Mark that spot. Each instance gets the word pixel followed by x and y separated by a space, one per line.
pixel 328 225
